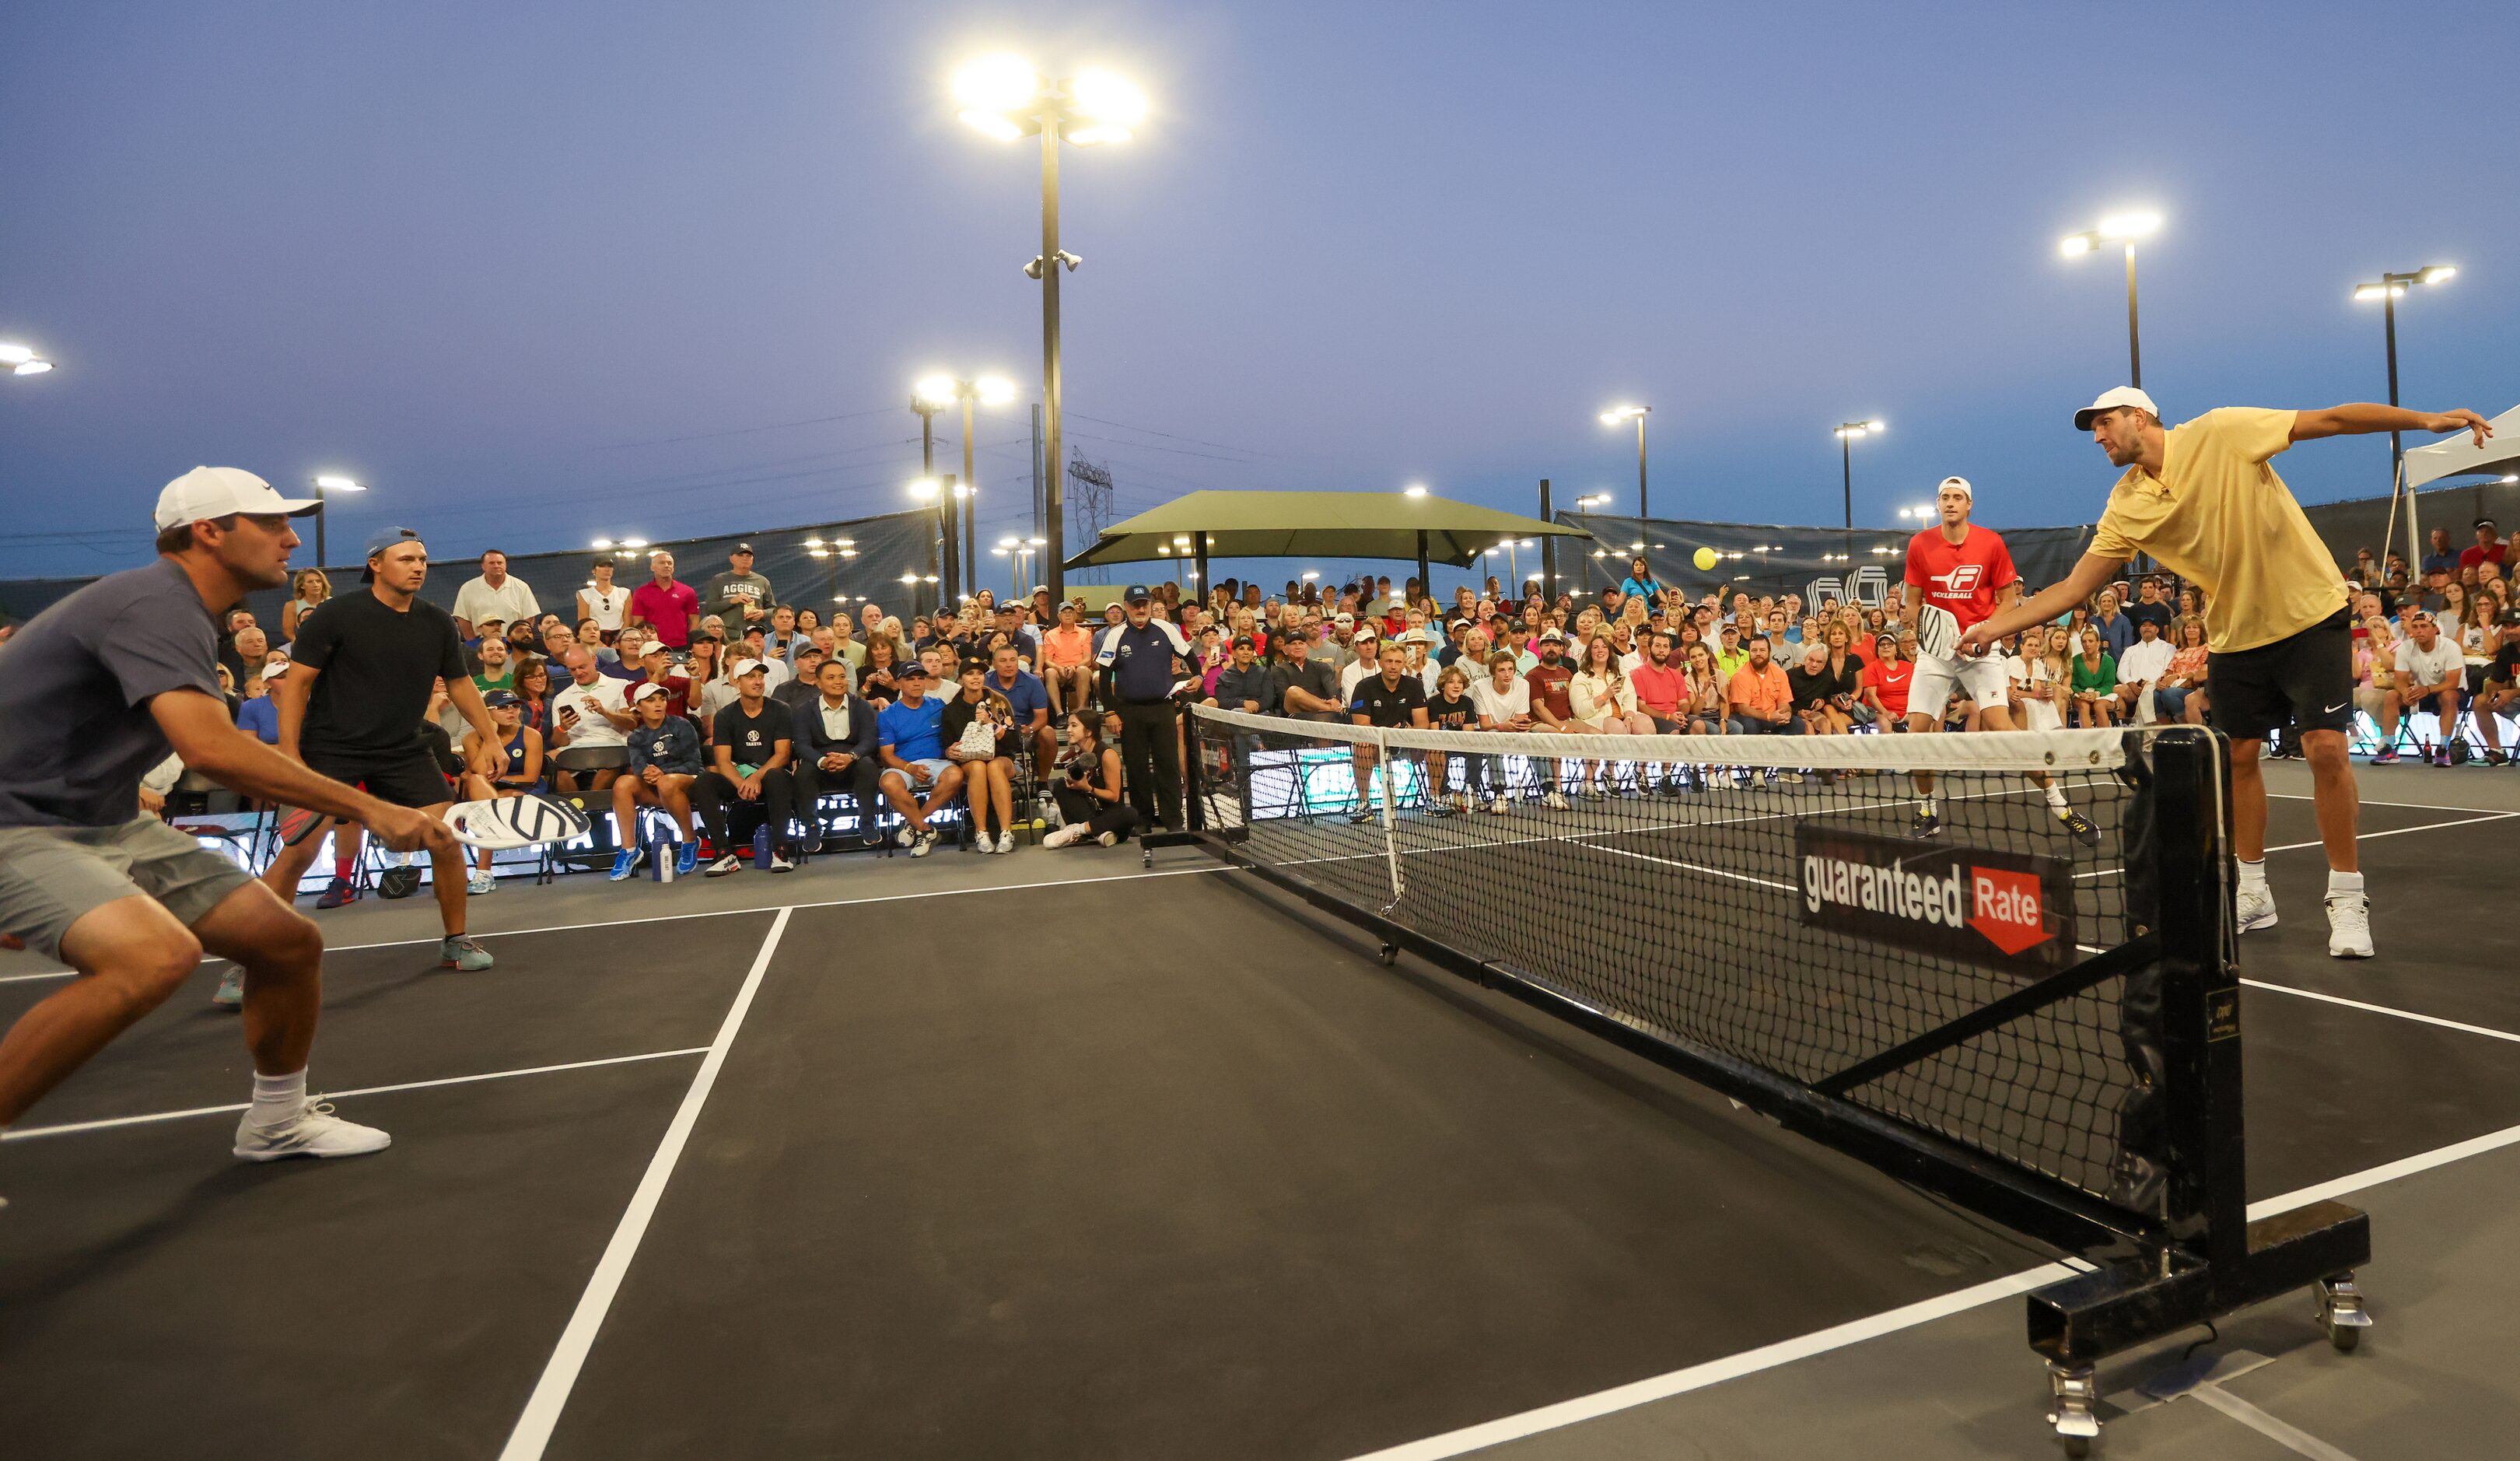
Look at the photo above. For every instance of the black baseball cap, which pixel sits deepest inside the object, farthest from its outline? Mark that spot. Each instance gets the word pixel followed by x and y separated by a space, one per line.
pixel 501 698
pixel 1242 642
pixel 1136 593
pixel 910 666
pixel 738 548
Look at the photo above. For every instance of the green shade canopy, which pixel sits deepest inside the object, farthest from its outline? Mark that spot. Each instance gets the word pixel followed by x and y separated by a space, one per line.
pixel 1315 525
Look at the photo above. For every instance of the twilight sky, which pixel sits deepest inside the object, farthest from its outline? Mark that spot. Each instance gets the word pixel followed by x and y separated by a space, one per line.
pixel 540 273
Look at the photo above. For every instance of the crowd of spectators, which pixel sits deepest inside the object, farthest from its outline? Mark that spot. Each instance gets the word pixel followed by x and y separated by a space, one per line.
pixel 709 704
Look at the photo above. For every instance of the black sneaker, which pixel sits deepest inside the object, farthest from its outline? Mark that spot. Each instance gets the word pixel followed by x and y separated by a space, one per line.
pixel 1930 822
pixel 336 893
pixel 2078 825
pixel 1361 815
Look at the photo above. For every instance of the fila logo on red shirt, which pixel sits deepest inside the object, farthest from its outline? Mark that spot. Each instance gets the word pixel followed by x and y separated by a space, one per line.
pixel 1961 579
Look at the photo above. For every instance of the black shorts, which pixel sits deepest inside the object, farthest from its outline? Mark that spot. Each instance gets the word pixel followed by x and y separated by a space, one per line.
pixel 2304 680
pixel 401 779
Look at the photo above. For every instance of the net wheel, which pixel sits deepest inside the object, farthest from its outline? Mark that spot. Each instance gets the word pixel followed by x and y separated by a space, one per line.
pixel 2343 1338
pixel 1390 955
pixel 2075 1445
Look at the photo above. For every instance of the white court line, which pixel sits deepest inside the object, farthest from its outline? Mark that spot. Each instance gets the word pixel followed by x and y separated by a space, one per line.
pixel 2364 837
pixel 1581 1408
pixel 2368 801
pixel 542 1411
pixel 65 1128
pixel 1694 867
pixel 614 922
pixel 2382 1009
pixel 2283 1433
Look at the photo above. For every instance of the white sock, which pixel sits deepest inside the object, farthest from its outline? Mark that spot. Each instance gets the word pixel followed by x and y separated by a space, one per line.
pixel 1925 804
pixel 2338 883
pixel 277 1098
pixel 2253 874
pixel 2056 796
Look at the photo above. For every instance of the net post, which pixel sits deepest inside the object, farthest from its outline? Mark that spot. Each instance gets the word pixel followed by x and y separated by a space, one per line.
pixel 1391 828
pixel 2203 1133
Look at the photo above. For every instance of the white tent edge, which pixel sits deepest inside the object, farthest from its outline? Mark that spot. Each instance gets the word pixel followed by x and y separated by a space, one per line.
pixel 2459 454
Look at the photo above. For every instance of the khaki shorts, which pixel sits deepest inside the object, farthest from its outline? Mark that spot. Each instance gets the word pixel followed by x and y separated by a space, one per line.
pixel 52 876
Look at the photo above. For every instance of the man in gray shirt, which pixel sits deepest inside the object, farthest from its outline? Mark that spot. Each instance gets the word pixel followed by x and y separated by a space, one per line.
pixel 99 687
pixel 739 596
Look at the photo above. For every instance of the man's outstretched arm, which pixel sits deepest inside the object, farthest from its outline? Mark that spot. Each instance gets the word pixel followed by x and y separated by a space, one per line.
pixel 2363 417
pixel 2089 574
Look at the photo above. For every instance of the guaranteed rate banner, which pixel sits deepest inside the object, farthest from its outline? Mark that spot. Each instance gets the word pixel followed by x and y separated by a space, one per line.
pixel 2005 910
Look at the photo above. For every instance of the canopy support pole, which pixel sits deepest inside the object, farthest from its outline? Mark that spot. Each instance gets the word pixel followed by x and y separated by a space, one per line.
pixel 1548 551
pixel 1426 578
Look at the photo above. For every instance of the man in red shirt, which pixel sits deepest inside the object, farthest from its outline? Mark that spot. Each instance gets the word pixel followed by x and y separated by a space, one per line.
pixel 2486 549
pixel 1551 709
pixel 1966 572
pixel 665 606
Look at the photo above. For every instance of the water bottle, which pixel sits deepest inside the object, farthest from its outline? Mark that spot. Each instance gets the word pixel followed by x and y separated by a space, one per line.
pixel 761 845
pixel 662 851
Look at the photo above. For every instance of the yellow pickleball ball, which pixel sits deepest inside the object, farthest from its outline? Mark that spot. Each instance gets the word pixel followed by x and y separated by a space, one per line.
pixel 1706 560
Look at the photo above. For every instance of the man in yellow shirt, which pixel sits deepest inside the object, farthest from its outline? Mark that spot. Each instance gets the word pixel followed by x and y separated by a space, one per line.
pixel 2202 499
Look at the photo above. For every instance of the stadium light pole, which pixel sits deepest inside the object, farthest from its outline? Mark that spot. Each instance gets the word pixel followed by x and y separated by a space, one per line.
pixel 940 561
pixel 329 482
pixel 989 391
pixel 928 489
pixel 1003 97
pixel 1636 414
pixel 2123 228
pixel 23 360
pixel 1847 431
pixel 2386 291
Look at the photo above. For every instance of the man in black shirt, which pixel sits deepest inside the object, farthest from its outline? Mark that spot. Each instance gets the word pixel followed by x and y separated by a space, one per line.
pixel 1243 685
pixel 351 707
pixel 1392 700
pixel 2151 607
pixel 2500 687
pixel 1141 660
pixel 753 742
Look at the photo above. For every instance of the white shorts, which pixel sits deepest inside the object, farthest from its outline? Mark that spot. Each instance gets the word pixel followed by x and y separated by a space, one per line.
pixel 1982 679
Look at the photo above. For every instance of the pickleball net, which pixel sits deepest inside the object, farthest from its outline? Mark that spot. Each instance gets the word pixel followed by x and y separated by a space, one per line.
pixel 1771 910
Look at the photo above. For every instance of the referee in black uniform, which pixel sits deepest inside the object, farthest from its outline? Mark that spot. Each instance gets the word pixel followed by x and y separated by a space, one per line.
pixel 1137 661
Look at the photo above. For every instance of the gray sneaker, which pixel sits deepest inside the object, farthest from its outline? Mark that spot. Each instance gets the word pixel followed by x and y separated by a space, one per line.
pixel 461 952
pixel 315 1131
pixel 230 995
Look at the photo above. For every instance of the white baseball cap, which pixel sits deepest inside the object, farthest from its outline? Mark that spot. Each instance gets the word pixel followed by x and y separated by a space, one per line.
pixel 1960 482
pixel 206 492
pixel 742 669
pixel 2112 398
pixel 649 690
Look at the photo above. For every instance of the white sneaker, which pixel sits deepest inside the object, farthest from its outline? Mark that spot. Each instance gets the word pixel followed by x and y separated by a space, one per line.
pixel 315 1131
pixel 1109 839
pixel 1005 840
pixel 479 882
pixel 2257 908
pixel 906 835
pixel 2349 925
pixel 983 844
pixel 1064 835
pixel 922 845
pixel 1554 801
pixel 779 863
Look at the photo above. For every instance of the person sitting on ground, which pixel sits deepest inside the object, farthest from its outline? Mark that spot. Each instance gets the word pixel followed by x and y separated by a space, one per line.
pixel 2094 682
pixel 1093 805
pixel 911 744
pixel 836 751
pixel 510 768
pixel 987 773
pixel 664 765
pixel 750 749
